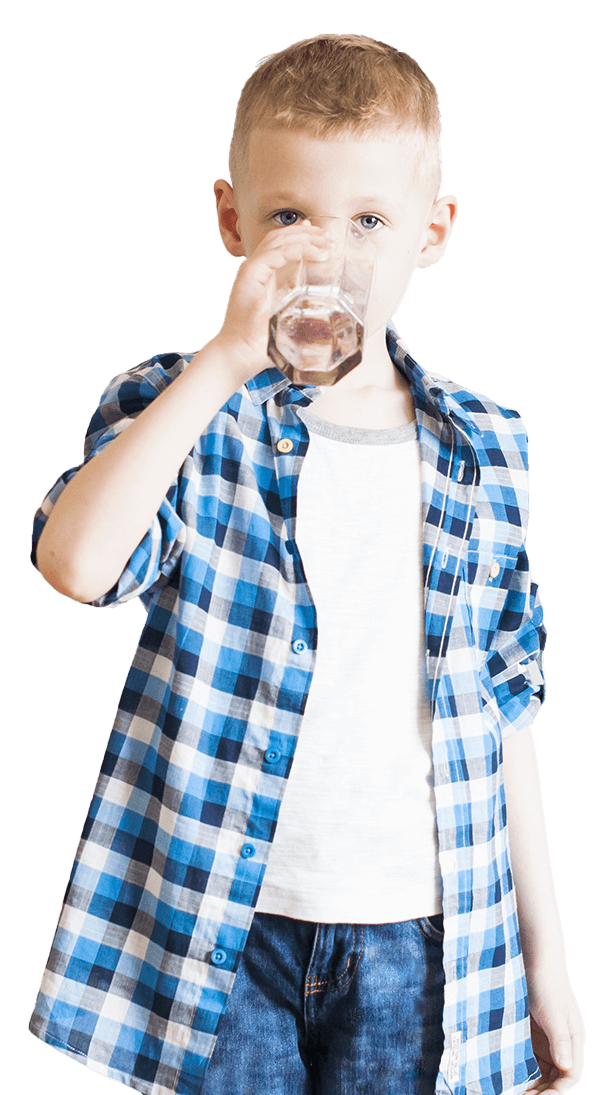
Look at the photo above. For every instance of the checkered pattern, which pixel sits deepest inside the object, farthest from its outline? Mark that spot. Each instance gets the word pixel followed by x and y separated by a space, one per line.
pixel 175 845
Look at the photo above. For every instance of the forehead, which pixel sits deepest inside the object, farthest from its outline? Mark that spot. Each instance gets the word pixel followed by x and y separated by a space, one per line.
pixel 291 163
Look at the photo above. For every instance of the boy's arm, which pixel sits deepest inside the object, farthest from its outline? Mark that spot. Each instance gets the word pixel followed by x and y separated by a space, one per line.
pixel 557 1029
pixel 106 509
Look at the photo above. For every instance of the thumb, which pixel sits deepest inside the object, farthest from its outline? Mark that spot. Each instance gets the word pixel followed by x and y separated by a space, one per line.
pixel 562 1053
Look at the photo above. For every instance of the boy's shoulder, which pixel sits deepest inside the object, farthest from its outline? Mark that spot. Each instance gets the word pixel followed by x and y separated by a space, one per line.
pixel 497 431
pixel 471 400
pixel 157 372
pixel 129 392
pixel 438 395
pixel 149 377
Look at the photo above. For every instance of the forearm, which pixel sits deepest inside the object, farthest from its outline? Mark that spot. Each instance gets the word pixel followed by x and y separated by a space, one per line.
pixel 106 509
pixel 539 919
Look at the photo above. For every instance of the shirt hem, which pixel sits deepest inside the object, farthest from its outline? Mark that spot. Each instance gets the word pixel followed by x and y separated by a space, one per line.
pixel 314 915
pixel 125 1078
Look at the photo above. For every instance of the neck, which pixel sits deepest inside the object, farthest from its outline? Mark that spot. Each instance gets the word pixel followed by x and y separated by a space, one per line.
pixel 374 395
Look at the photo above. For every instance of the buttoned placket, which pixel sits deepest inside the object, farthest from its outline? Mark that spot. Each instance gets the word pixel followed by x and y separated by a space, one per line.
pixel 292 442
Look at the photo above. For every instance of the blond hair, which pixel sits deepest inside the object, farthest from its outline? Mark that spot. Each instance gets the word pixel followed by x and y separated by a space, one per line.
pixel 340 85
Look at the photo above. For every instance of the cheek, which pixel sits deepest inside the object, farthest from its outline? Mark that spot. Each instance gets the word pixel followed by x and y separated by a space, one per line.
pixel 250 240
pixel 250 231
pixel 392 275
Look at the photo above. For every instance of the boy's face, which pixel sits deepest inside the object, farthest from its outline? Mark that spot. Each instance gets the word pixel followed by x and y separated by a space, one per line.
pixel 291 175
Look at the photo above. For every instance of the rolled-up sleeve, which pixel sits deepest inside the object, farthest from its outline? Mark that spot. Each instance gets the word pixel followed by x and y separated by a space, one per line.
pixel 515 662
pixel 154 559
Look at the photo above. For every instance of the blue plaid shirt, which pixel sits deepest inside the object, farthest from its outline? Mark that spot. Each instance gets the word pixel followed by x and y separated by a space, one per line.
pixel 172 857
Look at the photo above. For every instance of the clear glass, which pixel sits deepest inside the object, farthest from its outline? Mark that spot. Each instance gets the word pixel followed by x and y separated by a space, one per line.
pixel 318 323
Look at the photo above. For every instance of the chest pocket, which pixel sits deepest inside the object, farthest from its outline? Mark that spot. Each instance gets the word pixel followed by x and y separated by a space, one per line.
pixel 490 578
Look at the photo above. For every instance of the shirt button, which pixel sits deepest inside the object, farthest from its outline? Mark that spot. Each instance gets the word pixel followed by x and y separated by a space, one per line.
pixel 298 646
pixel 285 445
pixel 247 851
pixel 494 569
pixel 218 956
pixel 271 756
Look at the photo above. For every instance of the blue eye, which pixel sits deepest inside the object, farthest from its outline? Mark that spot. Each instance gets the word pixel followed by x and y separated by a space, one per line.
pixel 282 217
pixel 367 221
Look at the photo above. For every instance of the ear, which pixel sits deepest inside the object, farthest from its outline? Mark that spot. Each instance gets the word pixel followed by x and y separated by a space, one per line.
pixel 227 218
pixel 442 217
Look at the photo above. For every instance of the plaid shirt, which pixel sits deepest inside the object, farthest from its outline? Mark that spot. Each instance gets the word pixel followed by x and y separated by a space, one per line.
pixel 172 857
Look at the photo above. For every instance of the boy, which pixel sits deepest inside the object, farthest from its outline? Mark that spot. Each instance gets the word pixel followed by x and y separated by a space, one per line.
pixel 337 585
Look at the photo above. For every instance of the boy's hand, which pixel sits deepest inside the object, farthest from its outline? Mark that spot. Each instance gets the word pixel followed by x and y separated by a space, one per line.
pixel 244 334
pixel 556 1030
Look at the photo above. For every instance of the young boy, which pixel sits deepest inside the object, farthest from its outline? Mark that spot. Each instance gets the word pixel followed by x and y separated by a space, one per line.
pixel 295 875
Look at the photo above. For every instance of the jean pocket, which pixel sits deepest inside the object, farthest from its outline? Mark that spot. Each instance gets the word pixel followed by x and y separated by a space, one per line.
pixel 432 927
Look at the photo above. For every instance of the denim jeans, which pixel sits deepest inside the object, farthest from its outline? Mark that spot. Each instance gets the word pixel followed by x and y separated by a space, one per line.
pixel 333 1009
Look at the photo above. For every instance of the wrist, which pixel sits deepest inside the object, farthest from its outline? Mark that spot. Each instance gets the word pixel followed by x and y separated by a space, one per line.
pixel 543 953
pixel 547 959
pixel 234 356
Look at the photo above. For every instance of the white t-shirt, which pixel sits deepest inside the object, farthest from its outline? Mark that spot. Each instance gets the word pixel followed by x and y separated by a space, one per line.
pixel 356 838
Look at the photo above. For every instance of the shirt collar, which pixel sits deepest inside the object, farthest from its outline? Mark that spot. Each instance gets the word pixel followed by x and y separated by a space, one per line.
pixel 436 391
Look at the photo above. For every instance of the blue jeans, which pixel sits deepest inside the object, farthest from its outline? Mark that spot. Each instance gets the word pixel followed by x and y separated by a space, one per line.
pixel 333 1009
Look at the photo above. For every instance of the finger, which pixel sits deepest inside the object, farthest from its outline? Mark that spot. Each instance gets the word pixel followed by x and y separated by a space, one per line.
pixel 292 252
pixel 568 1058
pixel 278 237
pixel 265 265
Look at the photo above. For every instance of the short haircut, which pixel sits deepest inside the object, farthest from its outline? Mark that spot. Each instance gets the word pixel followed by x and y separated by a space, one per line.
pixel 338 85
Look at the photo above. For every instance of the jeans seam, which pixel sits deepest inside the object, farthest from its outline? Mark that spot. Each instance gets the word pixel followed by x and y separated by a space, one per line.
pixel 313 984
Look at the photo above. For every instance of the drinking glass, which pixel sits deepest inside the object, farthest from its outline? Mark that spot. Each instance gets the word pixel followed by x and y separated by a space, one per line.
pixel 318 323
